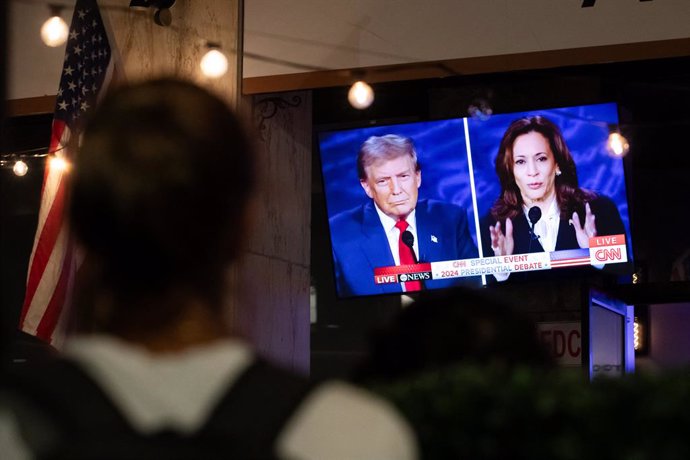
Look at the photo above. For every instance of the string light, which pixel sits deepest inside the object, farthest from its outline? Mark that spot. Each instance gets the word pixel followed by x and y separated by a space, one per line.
pixel 214 64
pixel 59 164
pixel 54 31
pixel 361 95
pixel 19 162
pixel 20 168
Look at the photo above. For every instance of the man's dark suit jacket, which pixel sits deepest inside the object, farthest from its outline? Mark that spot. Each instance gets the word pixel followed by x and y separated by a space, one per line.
pixel 360 245
pixel 607 219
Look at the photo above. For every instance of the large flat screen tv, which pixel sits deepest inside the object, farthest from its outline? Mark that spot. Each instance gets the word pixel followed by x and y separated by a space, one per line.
pixel 488 200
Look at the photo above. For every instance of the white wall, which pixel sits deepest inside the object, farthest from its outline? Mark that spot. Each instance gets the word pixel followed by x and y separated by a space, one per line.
pixel 34 69
pixel 358 33
pixel 144 49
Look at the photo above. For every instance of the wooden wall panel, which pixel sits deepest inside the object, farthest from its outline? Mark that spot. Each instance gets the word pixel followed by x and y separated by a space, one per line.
pixel 273 311
pixel 148 50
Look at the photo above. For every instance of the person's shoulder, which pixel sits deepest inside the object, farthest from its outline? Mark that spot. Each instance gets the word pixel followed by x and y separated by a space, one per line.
pixel 339 420
pixel 349 215
pixel 346 223
pixel 437 206
pixel 602 200
pixel 487 219
pixel 602 203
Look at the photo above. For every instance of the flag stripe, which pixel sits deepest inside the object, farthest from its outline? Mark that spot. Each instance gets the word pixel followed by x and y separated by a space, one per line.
pixel 46 327
pixel 50 181
pixel 86 71
pixel 45 245
pixel 58 129
pixel 44 290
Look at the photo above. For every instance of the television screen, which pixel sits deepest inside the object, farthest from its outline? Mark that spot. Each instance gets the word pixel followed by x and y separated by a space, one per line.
pixel 432 204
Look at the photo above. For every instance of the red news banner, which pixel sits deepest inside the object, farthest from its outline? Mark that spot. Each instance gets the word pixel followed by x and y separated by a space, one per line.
pixel 602 250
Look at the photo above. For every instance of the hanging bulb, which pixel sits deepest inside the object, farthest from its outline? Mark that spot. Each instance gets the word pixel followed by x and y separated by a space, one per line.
pixel 54 31
pixel 59 164
pixel 20 168
pixel 617 145
pixel 361 95
pixel 214 64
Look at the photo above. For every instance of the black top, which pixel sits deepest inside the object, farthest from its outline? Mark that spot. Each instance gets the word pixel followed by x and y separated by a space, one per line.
pixel 608 222
pixel 63 414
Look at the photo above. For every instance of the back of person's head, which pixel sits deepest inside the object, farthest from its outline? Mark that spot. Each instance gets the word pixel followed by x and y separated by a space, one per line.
pixel 384 148
pixel 448 328
pixel 160 191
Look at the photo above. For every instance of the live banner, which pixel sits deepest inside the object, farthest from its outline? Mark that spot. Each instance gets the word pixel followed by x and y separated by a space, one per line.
pixel 602 250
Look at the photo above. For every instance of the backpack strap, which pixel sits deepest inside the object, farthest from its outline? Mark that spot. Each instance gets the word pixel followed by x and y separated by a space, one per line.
pixel 67 404
pixel 80 421
pixel 256 408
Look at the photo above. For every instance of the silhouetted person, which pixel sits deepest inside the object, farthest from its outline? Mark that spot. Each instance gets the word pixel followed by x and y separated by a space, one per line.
pixel 160 207
pixel 450 328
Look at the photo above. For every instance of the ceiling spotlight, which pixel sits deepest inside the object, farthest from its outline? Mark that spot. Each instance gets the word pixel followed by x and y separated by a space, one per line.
pixel 214 64
pixel 54 31
pixel 20 168
pixel 361 95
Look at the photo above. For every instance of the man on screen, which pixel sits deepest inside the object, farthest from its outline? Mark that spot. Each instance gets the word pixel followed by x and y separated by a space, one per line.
pixel 394 227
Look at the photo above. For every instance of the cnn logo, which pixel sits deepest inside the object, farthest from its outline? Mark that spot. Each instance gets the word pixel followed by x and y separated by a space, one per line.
pixel 608 254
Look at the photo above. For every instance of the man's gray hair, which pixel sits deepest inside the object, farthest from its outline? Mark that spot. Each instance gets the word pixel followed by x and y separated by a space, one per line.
pixel 384 148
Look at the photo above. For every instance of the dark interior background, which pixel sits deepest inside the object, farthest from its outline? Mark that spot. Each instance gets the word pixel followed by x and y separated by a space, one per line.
pixel 653 98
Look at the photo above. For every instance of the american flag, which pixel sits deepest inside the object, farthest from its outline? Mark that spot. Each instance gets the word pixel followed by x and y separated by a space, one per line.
pixel 86 73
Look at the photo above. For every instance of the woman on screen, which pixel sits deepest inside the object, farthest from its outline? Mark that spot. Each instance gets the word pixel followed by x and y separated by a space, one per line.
pixel 541 206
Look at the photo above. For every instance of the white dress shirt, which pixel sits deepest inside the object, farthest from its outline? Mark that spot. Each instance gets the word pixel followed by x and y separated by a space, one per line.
pixel 393 234
pixel 546 228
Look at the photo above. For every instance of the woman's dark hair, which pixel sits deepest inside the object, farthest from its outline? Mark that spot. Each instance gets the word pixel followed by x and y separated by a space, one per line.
pixel 570 197
pixel 160 192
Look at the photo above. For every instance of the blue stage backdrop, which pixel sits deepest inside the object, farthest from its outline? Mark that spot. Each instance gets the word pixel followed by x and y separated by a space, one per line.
pixel 441 153
pixel 586 131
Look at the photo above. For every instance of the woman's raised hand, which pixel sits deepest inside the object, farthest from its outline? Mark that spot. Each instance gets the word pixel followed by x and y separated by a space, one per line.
pixel 502 244
pixel 586 231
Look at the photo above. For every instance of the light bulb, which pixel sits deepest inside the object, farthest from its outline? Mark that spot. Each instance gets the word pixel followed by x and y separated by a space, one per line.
pixel 59 164
pixel 617 145
pixel 54 31
pixel 20 168
pixel 214 64
pixel 360 95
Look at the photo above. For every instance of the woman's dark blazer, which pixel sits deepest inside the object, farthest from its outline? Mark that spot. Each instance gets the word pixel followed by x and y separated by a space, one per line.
pixel 608 222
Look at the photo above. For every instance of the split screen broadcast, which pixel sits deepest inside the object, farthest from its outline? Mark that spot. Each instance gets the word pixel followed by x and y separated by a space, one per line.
pixel 433 204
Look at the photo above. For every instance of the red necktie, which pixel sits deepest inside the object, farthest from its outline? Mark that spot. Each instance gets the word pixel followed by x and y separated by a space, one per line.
pixel 406 256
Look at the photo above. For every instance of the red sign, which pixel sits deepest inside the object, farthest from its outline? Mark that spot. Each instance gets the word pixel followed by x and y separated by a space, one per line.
pixel 609 240
pixel 563 340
